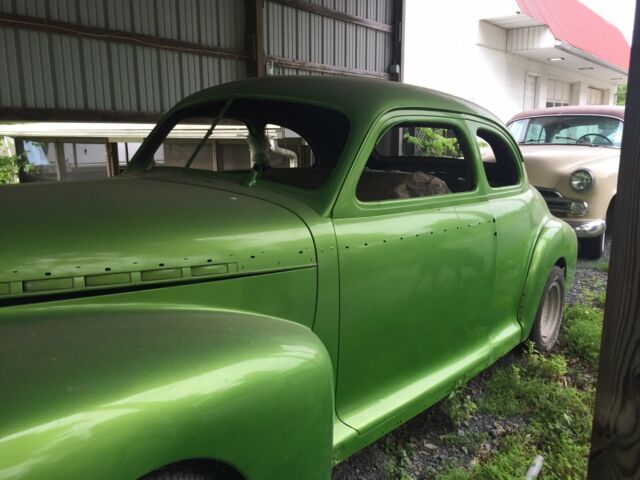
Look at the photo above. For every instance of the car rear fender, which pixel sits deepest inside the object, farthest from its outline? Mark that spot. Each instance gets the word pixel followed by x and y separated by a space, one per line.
pixel 118 394
pixel 556 245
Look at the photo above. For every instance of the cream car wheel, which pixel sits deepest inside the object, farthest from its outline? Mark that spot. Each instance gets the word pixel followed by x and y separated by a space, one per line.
pixel 546 326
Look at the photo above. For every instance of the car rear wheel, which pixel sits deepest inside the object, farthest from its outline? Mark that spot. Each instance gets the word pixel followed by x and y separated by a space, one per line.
pixel 178 475
pixel 546 326
pixel 193 471
pixel 592 248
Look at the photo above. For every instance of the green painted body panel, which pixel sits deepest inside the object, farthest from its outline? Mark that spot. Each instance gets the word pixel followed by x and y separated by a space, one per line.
pixel 170 315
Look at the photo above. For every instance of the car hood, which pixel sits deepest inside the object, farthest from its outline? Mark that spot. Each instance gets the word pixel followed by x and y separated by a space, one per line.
pixel 128 231
pixel 545 164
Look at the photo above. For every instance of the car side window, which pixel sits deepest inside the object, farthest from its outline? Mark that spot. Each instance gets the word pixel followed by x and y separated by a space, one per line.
pixel 498 159
pixel 415 160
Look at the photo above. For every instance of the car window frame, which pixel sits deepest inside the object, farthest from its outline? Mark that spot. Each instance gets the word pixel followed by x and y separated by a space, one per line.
pixel 349 206
pixel 474 125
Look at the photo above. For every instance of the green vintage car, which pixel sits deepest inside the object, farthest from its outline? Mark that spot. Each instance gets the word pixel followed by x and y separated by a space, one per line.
pixel 288 269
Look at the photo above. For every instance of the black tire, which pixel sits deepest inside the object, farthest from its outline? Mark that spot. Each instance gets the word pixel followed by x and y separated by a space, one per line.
pixel 546 326
pixel 190 472
pixel 592 248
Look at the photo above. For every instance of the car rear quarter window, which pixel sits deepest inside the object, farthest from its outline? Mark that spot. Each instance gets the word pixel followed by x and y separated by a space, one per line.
pixel 416 160
pixel 498 159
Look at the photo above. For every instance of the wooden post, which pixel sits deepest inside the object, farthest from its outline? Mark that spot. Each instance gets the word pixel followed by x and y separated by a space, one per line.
pixel 113 162
pixel 615 441
pixel 397 47
pixel 61 162
pixel 254 24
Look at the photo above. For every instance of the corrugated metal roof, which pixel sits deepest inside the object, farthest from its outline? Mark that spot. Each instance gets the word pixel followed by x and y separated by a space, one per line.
pixel 576 24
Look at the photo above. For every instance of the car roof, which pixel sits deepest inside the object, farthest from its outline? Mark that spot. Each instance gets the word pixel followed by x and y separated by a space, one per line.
pixel 598 110
pixel 356 97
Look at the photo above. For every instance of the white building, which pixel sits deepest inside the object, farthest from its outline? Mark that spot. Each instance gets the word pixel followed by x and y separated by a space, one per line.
pixel 512 55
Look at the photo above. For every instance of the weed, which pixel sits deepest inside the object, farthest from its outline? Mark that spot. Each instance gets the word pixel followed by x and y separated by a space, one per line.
pixel 400 460
pixel 459 407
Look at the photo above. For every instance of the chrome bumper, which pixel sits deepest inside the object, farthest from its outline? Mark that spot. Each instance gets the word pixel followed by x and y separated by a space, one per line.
pixel 587 228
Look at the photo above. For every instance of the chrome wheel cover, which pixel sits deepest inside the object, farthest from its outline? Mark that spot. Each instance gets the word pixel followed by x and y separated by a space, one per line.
pixel 551 312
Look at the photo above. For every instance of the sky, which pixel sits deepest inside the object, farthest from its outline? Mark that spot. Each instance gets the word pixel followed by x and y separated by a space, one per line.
pixel 618 12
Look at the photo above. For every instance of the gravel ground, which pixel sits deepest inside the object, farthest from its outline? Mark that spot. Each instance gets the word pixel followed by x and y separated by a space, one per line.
pixel 591 276
pixel 418 445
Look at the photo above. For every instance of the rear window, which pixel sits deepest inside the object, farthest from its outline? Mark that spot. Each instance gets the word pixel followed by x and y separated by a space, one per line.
pixel 284 142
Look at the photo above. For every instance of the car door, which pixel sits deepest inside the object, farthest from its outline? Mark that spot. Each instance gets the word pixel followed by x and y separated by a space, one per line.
pixel 517 218
pixel 416 274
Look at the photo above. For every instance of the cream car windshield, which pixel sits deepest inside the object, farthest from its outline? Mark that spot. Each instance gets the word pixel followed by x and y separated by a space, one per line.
pixel 590 130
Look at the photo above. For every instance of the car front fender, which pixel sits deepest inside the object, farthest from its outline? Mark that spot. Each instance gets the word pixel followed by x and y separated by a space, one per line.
pixel 118 394
pixel 556 245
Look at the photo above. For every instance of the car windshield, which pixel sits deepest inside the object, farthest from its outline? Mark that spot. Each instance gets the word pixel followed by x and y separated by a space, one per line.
pixel 568 130
pixel 285 142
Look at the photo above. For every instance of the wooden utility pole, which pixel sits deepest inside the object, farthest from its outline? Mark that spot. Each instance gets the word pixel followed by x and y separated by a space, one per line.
pixel 615 441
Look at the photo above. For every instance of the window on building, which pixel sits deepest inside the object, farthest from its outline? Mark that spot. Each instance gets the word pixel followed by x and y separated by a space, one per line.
pixel 558 93
pixel 595 96
pixel 65 160
pixel 43 158
pixel 415 160
pixel 84 161
pixel 530 91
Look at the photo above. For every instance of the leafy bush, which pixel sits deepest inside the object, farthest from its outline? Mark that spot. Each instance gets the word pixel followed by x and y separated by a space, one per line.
pixel 11 165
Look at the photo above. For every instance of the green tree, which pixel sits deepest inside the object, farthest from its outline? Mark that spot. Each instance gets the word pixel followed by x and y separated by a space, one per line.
pixel 621 95
pixel 432 142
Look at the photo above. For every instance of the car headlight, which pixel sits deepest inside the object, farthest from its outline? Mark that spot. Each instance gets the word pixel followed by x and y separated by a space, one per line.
pixel 581 180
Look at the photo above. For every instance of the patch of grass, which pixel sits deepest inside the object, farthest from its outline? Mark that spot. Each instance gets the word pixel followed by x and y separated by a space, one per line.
pixel 557 410
pixel 582 331
pixel 594 298
pixel 602 266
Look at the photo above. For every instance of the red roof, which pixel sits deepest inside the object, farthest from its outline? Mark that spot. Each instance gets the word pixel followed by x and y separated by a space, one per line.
pixel 574 23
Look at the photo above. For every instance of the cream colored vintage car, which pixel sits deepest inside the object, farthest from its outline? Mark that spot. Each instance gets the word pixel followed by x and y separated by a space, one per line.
pixel 571 155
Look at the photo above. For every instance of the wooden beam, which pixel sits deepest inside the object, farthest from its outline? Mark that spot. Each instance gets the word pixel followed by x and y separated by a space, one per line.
pixel 397 45
pixel 254 24
pixel 335 14
pixel 61 163
pixel 113 162
pixel 82 31
pixel 321 67
pixel 615 440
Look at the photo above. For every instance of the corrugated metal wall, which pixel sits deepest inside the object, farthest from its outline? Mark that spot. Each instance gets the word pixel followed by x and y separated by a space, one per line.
pixel 309 37
pixel 49 70
pixel 99 71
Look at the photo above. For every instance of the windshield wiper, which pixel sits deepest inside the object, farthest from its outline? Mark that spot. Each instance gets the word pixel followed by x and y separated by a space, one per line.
pixel 216 119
